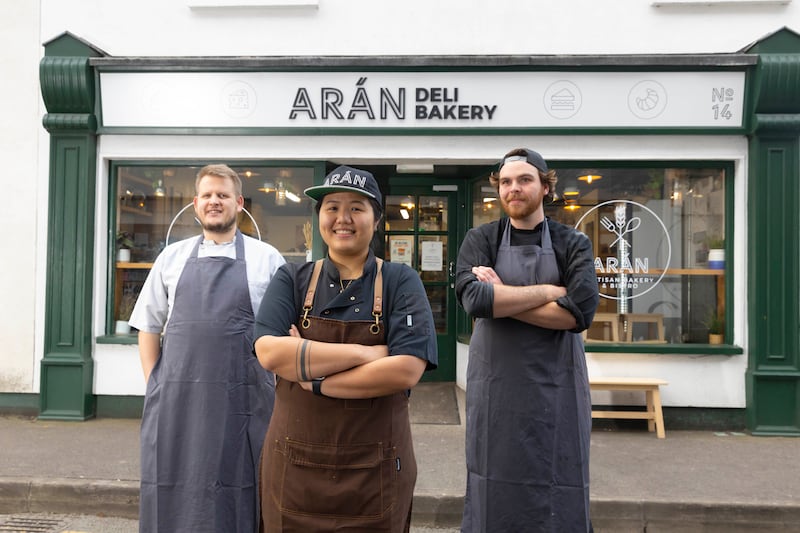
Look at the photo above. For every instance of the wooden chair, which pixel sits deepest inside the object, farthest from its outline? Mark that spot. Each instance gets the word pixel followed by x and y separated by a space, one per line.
pixel 610 323
pixel 629 319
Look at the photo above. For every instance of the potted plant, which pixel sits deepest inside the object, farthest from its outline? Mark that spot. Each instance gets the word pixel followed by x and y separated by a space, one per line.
pixel 124 245
pixel 124 311
pixel 716 327
pixel 716 252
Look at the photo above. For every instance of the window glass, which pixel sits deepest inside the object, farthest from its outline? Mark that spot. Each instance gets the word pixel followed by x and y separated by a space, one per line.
pixel 154 208
pixel 658 237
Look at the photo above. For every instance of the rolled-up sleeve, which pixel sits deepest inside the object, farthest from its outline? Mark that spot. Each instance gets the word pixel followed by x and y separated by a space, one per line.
pixel 580 280
pixel 476 297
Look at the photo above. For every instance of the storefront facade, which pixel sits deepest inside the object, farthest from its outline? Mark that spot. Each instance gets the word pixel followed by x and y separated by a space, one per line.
pixel 685 149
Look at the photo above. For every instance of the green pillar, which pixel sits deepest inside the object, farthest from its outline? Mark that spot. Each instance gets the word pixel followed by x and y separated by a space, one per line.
pixel 773 374
pixel 67 370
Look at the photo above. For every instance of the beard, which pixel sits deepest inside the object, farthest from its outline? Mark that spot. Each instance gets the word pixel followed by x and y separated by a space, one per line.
pixel 520 210
pixel 219 227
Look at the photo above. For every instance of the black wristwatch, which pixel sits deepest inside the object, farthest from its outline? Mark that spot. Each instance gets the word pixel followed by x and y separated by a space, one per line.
pixel 316 386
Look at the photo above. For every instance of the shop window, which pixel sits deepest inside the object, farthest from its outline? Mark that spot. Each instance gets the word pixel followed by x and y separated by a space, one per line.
pixel 152 207
pixel 659 248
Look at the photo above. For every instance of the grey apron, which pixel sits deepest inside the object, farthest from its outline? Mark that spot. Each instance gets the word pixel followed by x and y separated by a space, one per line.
pixel 207 406
pixel 528 414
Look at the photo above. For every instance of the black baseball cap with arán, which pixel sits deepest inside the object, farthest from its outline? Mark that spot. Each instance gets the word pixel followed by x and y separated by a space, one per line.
pixel 524 154
pixel 347 179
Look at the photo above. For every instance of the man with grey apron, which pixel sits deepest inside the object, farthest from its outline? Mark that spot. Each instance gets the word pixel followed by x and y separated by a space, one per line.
pixel 208 401
pixel 531 284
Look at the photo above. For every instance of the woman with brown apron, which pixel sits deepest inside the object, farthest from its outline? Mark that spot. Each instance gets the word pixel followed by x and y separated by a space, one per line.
pixel 348 337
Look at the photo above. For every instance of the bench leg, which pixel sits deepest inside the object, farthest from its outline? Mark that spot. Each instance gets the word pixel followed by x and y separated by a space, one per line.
pixel 651 422
pixel 659 414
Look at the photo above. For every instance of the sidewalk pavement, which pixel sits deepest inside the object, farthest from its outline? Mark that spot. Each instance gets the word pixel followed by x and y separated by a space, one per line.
pixel 691 481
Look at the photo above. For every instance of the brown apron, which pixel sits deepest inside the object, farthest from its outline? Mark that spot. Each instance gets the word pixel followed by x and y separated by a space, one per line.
pixel 338 465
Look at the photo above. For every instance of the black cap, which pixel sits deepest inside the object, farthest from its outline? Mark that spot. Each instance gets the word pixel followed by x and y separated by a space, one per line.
pixel 347 179
pixel 534 158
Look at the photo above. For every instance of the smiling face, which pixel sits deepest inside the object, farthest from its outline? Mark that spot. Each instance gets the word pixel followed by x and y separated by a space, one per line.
pixel 217 205
pixel 521 194
pixel 347 223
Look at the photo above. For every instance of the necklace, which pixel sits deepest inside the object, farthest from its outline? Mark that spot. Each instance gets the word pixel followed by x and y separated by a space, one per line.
pixel 343 286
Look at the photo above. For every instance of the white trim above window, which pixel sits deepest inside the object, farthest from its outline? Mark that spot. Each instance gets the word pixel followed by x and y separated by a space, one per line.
pixel 667 3
pixel 217 4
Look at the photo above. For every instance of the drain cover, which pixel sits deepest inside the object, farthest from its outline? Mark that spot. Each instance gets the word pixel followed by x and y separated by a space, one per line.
pixel 26 524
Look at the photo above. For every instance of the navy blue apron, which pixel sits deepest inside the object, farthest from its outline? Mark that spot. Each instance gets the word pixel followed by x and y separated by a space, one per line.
pixel 207 406
pixel 528 414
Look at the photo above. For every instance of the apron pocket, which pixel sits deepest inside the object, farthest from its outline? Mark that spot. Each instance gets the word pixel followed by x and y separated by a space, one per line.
pixel 357 481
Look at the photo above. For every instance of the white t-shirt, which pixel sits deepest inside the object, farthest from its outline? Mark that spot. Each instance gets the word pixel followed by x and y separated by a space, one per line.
pixel 154 305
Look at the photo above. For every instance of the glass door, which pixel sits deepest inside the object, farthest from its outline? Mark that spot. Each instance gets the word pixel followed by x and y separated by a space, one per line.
pixel 420 231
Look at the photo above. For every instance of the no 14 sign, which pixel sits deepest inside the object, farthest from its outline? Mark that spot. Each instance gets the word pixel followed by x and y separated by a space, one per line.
pixel 719 97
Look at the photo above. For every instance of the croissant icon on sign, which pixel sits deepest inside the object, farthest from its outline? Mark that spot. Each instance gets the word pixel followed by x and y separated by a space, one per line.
pixel 649 102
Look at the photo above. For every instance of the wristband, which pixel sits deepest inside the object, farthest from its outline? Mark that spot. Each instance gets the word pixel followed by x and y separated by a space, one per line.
pixel 316 386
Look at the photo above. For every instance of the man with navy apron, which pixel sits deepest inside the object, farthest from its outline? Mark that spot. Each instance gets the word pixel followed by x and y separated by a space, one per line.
pixel 208 401
pixel 531 285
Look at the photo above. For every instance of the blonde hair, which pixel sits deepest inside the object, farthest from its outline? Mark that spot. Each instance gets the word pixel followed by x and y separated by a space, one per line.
pixel 219 171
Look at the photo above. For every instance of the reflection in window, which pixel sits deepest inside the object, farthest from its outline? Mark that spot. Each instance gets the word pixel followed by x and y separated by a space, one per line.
pixel 154 208
pixel 658 236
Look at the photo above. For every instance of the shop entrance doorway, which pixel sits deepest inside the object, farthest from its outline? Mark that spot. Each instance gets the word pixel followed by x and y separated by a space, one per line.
pixel 421 230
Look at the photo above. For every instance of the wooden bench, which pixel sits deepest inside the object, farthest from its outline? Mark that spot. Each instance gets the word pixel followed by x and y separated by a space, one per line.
pixel 650 386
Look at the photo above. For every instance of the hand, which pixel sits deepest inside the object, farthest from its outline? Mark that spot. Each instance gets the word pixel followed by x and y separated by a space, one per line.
pixel 306 385
pixel 376 352
pixel 294 332
pixel 487 275
pixel 557 292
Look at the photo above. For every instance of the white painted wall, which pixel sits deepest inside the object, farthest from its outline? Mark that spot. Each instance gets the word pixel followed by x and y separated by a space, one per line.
pixel 23 192
pixel 367 27
pixel 348 27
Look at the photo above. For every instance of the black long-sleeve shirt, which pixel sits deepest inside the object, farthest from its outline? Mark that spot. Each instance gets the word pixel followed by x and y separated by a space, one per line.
pixel 574 257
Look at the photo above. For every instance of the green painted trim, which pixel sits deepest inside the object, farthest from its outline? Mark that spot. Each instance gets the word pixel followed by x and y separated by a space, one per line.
pixel 666 349
pixel 119 406
pixel 416 132
pixel 67 367
pixel 431 63
pixel 678 419
pixel 772 379
pixel 118 339
pixel 20 404
pixel 660 349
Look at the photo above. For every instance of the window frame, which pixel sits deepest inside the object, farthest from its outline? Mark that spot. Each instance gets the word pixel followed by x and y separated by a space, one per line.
pixel 728 166
pixel 107 335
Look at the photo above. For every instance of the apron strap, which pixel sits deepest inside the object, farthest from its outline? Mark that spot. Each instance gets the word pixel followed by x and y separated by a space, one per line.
pixel 377 299
pixel 312 288
pixel 377 302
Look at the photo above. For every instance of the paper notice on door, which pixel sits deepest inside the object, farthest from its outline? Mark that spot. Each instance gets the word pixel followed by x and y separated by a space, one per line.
pixel 432 258
pixel 401 250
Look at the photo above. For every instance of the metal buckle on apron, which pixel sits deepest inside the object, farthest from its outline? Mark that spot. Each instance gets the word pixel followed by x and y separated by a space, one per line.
pixel 376 327
pixel 305 323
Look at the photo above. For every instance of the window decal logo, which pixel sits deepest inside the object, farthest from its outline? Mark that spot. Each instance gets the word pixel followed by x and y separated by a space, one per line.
pixel 632 249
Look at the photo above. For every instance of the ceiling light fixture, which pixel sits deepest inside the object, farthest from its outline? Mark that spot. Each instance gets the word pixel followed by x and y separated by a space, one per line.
pixel 158 188
pixel 589 177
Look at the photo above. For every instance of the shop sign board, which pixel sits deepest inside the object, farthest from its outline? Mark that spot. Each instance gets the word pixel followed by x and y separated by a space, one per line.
pixel 414 100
